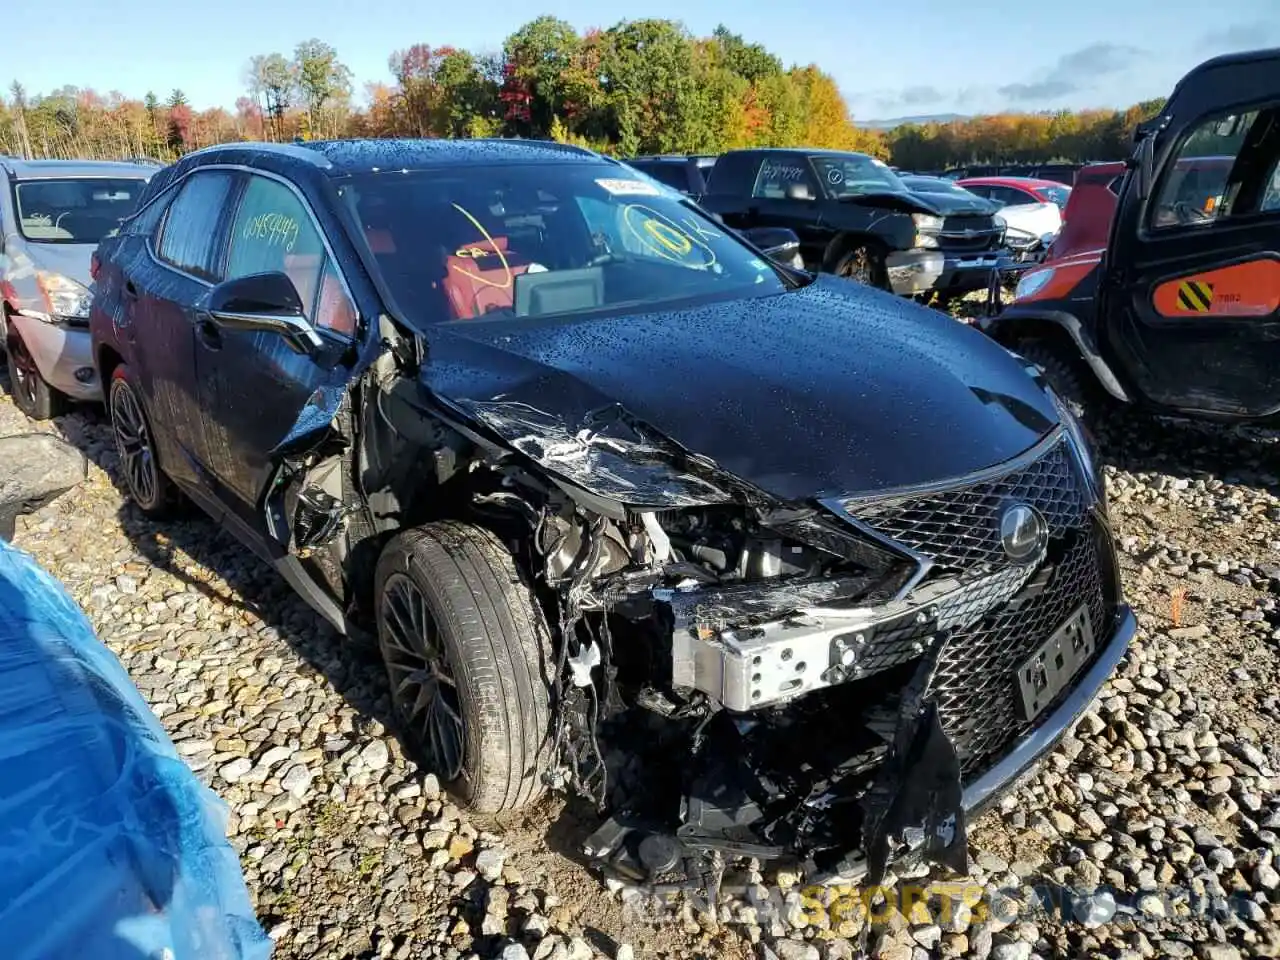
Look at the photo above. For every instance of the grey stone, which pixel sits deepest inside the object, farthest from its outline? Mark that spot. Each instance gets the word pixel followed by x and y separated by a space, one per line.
pixel 297 780
pixel 1266 877
pixel 1011 950
pixel 927 935
pixel 376 755
pixel 788 949
pixel 235 769
pixel 489 863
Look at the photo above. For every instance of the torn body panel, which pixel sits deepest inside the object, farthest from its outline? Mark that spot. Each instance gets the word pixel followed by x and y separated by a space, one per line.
pixel 608 453
pixel 735 521
pixel 742 662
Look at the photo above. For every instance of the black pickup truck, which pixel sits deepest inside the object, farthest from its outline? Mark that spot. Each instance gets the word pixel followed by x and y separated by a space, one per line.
pixel 856 218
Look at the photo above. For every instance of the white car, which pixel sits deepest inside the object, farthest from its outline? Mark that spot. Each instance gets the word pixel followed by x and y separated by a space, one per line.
pixel 1026 224
pixel 52 215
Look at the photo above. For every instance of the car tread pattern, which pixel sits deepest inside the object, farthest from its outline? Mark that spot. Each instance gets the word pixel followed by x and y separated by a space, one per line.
pixel 498 645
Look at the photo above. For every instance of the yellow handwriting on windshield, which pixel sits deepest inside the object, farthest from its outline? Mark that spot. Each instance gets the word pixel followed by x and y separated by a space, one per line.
pixel 663 238
pixel 477 251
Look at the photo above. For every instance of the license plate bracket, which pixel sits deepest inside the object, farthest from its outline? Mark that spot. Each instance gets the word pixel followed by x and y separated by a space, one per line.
pixel 1044 674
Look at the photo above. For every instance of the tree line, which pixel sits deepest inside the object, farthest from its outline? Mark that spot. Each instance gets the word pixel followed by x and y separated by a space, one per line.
pixel 641 86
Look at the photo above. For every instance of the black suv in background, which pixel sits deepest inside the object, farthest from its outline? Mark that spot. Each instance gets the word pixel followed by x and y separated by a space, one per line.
pixel 688 174
pixel 856 218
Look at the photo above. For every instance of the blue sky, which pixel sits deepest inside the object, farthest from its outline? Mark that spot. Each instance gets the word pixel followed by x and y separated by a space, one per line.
pixel 918 57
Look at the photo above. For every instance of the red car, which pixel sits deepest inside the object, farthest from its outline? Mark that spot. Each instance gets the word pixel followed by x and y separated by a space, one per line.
pixel 1008 191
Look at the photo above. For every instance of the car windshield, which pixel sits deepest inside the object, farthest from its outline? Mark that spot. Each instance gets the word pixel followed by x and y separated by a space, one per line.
pixel 1055 195
pixel 544 240
pixel 853 175
pixel 74 210
pixel 932 185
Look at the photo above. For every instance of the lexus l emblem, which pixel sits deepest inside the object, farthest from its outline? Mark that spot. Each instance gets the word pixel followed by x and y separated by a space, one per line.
pixel 1023 532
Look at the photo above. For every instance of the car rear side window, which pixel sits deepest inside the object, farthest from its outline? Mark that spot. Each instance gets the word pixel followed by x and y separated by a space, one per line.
pixel 672 174
pixel 1010 196
pixel 147 220
pixel 273 232
pixel 733 174
pixel 189 238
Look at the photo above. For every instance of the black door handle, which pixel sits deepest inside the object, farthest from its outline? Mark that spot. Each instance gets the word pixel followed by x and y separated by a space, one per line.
pixel 208 332
pixel 130 291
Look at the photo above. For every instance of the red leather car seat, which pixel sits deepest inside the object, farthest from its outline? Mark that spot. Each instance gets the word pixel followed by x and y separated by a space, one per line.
pixel 480 277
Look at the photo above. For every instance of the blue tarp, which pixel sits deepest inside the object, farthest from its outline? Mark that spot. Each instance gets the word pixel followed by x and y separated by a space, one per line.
pixel 110 847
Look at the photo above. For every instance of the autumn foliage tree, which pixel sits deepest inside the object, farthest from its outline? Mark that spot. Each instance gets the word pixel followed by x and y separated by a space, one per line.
pixel 639 86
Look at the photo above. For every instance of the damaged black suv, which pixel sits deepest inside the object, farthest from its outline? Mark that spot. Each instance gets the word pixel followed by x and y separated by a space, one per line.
pixel 760 563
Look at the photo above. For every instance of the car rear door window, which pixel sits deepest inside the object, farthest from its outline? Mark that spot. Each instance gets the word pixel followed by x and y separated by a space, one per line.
pixel 273 232
pixel 189 237
pixel 786 178
pixel 733 174
pixel 1008 196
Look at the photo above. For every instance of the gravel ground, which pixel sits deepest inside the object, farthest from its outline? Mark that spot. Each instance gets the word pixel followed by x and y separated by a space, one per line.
pixel 1162 815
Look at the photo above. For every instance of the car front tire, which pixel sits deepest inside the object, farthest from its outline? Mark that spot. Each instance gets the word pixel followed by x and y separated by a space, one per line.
pixel 1063 374
pixel 468 656
pixel 31 393
pixel 865 263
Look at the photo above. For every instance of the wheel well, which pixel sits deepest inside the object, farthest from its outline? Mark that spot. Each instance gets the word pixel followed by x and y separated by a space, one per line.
pixel 1047 332
pixel 844 242
pixel 108 360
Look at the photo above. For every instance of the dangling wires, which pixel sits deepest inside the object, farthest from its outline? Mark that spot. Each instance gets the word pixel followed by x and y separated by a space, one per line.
pixel 572 598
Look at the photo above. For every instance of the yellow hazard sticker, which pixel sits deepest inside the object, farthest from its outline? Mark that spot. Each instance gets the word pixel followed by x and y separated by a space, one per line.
pixel 1195 295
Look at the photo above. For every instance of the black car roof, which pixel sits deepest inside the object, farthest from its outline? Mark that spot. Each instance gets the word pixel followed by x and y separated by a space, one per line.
pixel 802 152
pixel 338 158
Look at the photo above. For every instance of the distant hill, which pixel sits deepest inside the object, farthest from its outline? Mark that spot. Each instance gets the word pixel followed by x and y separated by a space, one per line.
pixel 899 121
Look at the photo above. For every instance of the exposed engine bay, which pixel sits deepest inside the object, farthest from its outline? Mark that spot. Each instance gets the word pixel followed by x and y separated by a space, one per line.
pixel 708 652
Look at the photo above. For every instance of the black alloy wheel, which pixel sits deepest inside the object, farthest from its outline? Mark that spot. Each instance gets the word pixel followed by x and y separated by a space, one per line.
pixel 31 394
pixel 423 688
pixel 144 481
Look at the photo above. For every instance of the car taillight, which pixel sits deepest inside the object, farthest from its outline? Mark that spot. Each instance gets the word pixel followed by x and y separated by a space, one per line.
pixel 94 265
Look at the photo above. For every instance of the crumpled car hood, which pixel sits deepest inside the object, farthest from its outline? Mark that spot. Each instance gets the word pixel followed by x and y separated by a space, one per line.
pixel 952 204
pixel 938 204
pixel 832 389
